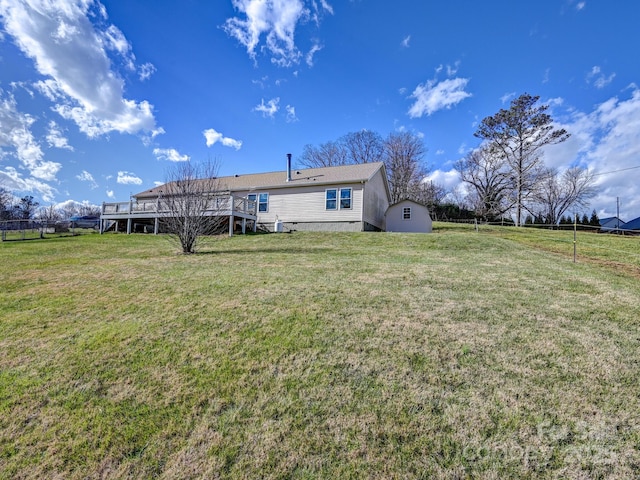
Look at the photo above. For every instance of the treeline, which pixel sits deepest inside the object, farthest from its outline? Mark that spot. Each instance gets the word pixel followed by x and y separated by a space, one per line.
pixel 583 222
pixel 26 208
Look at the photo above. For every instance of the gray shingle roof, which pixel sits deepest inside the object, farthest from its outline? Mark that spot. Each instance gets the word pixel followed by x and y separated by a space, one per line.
pixel 299 177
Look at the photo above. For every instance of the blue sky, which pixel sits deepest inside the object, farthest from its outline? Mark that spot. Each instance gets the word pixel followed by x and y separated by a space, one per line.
pixel 99 99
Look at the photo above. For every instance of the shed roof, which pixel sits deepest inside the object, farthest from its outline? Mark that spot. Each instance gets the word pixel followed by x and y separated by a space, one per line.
pixel 299 177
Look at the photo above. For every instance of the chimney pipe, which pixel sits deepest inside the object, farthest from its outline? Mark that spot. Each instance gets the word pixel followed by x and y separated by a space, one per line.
pixel 288 167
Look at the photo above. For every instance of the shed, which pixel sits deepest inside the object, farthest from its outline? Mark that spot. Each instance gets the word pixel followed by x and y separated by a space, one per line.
pixel 408 216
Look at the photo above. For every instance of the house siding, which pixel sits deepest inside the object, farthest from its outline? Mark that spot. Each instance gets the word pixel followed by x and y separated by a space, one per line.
pixel 375 201
pixel 302 207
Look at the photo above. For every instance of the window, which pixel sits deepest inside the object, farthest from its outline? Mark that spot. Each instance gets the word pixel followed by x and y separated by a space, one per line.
pixel 252 197
pixel 345 198
pixel 406 213
pixel 331 199
pixel 263 202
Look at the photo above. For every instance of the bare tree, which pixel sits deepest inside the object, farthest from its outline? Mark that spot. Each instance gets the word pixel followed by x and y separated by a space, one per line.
pixel 6 200
pixel 192 202
pixel 491 180
pixel 556 194
pixel 403 154
pixel 429 194
pixel 329 154
pixel 49 214
pixel 518 135
pixel 364 146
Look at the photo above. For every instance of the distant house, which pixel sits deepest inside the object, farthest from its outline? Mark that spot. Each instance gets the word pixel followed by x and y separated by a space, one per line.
pixel 611 224
pixel 408 216
pixel 632 227
pixel 343 198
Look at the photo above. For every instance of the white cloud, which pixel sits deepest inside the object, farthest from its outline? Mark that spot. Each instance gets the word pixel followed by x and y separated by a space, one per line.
pixel 314 49
pixel 599 79
pixel 212 137
pixel 580 5
pixel 405 41
pixel 291 114
pixel 16 138
pixel 87 177
pixel 277 20
pixel 452 70
pixel 11 179
pixel 74 205
pixel 145 71
pixel 56 139
pixel 170 154
pixel 506 98
pixel 128 178
pixel 69 43
pixel 449 179
pixel 432 96
pixel 270 109
pixel 110 194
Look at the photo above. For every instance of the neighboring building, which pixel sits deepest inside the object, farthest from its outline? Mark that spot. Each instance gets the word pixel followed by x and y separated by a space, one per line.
pixel 344 198
pixel 611 224
pixel 408 216
pixel 632 227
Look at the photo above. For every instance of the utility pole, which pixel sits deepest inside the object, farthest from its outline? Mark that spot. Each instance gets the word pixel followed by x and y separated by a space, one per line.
pixel 617 214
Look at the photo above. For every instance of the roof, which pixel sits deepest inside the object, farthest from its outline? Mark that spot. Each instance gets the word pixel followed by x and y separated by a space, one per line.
pixel 632 224
pixel 408 200
pixel 299 177
pixel 614 220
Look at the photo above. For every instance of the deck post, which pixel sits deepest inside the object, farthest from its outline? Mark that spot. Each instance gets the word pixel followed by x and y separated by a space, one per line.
pixel 231 220
pixel 156 224
pixel 244 225
pixel 129 226
pixel 101 220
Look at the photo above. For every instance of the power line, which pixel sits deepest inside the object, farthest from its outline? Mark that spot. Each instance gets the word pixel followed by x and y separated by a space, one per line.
pixel 615 171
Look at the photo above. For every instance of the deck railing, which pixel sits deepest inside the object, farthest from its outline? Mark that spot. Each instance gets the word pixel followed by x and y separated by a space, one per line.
pixel 221 205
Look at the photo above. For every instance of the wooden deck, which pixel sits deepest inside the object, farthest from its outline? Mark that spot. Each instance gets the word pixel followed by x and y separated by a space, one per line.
pixel 152 211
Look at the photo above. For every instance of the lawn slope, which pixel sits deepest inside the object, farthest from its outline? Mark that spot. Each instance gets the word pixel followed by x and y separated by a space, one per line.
pixel 452 355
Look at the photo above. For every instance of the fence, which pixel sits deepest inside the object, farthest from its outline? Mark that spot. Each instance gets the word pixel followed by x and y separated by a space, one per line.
pixel 21 230
pixel 585 243
pixel 11 230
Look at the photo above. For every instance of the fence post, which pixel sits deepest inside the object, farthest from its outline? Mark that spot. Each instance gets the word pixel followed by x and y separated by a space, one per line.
pixel 575 236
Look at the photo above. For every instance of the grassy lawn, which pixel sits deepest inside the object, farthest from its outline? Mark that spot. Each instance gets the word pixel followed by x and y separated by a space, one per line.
pixel 452 355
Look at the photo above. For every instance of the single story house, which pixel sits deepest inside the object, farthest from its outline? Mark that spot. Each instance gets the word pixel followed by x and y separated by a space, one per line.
pixel 342 198
pixel 632 227
pixel 408 216
pixel 611 224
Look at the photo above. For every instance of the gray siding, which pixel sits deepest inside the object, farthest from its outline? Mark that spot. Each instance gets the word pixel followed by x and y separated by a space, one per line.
pixel 306 205
pixel 376 201
pixel 420 221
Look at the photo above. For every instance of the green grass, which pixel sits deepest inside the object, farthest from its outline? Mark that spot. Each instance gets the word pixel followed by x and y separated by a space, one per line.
pixel 452 355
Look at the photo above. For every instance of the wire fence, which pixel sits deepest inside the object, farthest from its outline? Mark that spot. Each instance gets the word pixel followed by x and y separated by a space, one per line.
pixel 618 248
pixel 15 230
